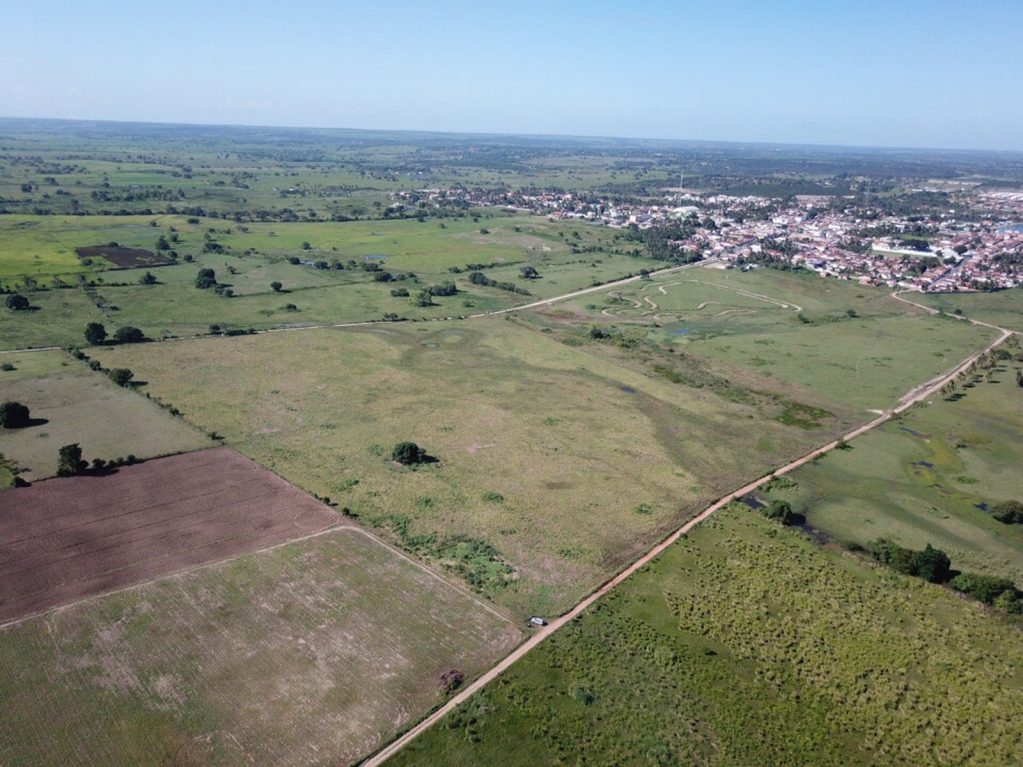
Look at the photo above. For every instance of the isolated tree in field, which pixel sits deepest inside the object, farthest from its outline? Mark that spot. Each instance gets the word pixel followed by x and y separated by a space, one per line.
pixel 14 415
pixel 147 279
pixel 276 287
pixel 1008 512
pixel 95 333
pixel 17 302
pixel 529 273
pixel 120 376
pixel 408 453
pixel 70 461
pixel 129 335
pixel 206 278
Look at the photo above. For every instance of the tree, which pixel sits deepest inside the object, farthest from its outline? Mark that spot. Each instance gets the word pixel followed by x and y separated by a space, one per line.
pixel 147 279
pixel 206 278
pixel 408 453
pixel 17 302
pixel 120 376
pixel 933 564
pixel 95 333
pixel 529 273
pixel 782 512
pixel 1008 512
pixel 276 287
pixel 70 461
pixel 14 415
pixel 129 335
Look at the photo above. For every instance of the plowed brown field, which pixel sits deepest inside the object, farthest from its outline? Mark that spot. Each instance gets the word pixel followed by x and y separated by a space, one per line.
pixel 64 539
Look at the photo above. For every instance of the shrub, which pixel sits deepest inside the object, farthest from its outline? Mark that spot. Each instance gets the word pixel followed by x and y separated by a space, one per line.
pixel 120 376
pixel 986 588
pixel 129 335
pixel 147 279
pixel 408 453
pixel 399 292
pixel 70 461
pixel 95 333
pixel 529 273
pixel 17 302
pixel 276 286
pixel 14 415
pixel 206 278
pixel 781 511
pixel 1008 512
pixel 933 564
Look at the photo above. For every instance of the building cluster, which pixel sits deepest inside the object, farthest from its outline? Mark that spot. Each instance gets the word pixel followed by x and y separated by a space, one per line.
pixel 976 245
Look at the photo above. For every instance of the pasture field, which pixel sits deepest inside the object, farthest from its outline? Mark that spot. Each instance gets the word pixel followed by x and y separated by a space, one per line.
pixel 928 478
pixel 254 256
pixel 1003 308
pixel 749 644
pixel 310 653
pixel 556 466
pixel 848 344
pixel 73 537
pixel 74 404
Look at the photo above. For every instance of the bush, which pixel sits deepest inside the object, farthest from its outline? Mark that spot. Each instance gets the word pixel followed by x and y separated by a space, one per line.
pixel 95 333
pixel 276 287
pixel 206 278
pixel 147 279
pixel 14 415
pixel 781 511
pixel 444 289
pixel 933 565
pixel 408 453
pixel 529 273
pixel 889 553
pixel 70 461
pixel 1008 512
pixel 129 335
pixel 986 588
pixel 17 302
pixel 120 376
pixel 399 292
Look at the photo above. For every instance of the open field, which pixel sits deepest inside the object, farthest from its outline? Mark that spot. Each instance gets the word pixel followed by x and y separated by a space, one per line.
pixel 928 478
pixel 748 644
pixel 249 258
pixel 566 462
pixel 73 537
pixel 1003 308
pixel 74 404
pixel 851 345
pixel 310 653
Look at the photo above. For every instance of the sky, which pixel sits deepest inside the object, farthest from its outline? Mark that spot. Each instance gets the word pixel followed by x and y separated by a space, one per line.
pixel 908 73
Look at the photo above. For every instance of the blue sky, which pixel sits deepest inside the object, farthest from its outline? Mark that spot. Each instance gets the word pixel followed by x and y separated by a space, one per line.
pixel 897 73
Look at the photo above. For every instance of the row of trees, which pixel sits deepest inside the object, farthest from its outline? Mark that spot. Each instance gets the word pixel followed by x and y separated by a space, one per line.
pixel 96 334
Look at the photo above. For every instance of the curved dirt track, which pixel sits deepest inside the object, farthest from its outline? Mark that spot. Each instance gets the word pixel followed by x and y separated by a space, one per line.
pixel 913 396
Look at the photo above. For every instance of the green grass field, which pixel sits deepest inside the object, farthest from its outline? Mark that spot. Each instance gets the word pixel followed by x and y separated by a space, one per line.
pixel 76 404
pixel 748 644
pixel 308 654
pixel 926 477
pixel 591 459
pixel 850 345
pixel 256 255
pixel 1003 308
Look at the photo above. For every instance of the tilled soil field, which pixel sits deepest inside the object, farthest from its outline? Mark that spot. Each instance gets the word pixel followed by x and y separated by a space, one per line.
pixel 64 539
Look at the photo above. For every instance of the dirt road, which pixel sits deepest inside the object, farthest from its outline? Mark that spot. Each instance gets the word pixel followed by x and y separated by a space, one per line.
pixel 916 394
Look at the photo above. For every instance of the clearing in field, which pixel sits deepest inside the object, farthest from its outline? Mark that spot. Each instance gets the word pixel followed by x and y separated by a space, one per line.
pixel 934 476
pixel 749 644
pixel 556 465
pixel 311 653
pixel 122 257
pixel 73 537
pixel 71 403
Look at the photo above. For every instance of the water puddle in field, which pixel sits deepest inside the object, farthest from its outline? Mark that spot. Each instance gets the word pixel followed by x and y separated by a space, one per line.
pixel 681 332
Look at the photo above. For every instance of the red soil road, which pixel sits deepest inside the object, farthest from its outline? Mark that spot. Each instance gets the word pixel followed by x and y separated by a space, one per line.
pixel 69 538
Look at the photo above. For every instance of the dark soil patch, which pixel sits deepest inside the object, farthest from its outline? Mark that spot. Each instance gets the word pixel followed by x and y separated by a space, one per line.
pixel 65 539
pixel 123 258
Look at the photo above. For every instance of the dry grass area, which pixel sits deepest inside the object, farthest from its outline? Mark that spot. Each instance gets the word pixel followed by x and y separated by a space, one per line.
pixel 308 654
pixel 556 466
